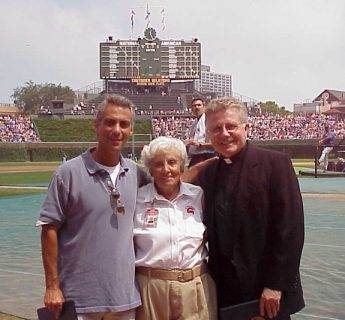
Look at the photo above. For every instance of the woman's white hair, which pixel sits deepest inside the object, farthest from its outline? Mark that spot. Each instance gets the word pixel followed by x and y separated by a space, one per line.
pixel 163 143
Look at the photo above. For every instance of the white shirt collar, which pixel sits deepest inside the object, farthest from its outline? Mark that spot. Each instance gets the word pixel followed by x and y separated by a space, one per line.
pixel 153 194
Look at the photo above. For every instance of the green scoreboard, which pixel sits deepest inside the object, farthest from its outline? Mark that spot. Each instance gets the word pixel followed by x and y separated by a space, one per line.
pixel 149 60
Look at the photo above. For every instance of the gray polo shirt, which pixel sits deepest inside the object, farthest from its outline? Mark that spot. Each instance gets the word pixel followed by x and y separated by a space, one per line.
pixel 96 252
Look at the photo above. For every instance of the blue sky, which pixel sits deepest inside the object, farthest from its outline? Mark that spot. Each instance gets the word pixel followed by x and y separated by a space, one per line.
pixel 287 51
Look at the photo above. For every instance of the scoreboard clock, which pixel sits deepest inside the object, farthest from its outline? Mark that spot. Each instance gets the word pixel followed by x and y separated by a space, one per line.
pixel 150 57
pixel 150 34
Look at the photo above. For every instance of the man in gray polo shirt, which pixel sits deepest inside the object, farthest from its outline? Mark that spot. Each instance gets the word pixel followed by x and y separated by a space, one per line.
pixel 87 222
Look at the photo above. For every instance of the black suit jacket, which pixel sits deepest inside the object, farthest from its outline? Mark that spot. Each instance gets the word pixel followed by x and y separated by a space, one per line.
pixel 268 226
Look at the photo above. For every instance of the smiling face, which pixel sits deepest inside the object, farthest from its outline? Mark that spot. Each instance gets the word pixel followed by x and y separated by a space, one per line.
pixel 166 170
pixel 114 128
pixel 227 133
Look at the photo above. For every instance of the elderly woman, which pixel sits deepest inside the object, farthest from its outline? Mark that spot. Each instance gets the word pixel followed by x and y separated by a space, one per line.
pixel 169 240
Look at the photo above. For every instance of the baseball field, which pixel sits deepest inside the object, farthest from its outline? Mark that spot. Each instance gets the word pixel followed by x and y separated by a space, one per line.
pixel 19 178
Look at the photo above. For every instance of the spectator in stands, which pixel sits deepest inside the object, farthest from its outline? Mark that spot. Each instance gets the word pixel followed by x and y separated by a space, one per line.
pixel 17 128
pixel 262 127
pixel 199 149
pixel 277 127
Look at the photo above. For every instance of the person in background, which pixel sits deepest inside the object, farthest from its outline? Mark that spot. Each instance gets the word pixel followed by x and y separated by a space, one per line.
pixel 199 149
pixel 87 223
pixel 327 143
pixel 169 240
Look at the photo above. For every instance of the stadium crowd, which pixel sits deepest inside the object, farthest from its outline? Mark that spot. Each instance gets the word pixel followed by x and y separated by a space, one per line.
pixel 172 126
pixel 17 129
pixel 169 112
pixel 178 123
pixel 263 127
pixel 276 127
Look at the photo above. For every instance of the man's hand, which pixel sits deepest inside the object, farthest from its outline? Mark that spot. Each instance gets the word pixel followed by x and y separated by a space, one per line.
pixel 54 300
pixel 192 142
pixel 270 302
pixel 191 174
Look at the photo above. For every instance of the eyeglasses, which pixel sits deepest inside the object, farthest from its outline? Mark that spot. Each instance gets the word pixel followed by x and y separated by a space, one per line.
pixel 115 196
pixel 229 127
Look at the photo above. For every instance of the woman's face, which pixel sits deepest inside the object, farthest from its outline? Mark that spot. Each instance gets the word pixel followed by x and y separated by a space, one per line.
pixel 166 169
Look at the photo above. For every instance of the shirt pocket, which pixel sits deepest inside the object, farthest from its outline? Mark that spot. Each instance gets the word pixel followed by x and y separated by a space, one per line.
pixel 193 227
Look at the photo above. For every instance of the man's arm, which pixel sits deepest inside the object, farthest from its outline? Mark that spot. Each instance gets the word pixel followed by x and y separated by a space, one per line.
pixel 205 145
pixel 53 298
pixel 192 174
pixel 285 234
pixel 190 142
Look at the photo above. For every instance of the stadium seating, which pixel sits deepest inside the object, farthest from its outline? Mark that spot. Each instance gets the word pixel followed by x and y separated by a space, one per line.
pixel 17 128
pixel 144 101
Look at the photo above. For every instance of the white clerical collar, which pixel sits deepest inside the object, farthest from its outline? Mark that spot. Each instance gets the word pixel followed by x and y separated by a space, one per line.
pixel 227 160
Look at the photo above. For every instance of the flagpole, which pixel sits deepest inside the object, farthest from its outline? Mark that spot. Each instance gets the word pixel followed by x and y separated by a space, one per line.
pixel 132 22
pixel 148 16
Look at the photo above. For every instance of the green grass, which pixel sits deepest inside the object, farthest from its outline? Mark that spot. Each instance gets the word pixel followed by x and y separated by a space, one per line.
pixel 25 178
pixel 18 192
pixel 80 130
pixel 43 178
pixel 302 160
pixel 28 163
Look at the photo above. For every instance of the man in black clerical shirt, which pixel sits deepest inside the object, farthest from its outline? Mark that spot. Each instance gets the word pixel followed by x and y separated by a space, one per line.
pixel 254 217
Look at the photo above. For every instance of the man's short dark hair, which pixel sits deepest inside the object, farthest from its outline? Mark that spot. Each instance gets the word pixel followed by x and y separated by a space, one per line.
pixel 115 100
pixel 196 99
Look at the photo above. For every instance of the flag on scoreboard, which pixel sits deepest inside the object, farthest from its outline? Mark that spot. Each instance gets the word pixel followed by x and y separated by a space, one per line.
pixel 148 15
pixel 163 19
pixel 132 19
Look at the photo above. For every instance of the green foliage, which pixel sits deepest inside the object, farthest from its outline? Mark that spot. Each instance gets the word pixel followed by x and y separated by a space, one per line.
pixel 272 107
pixel 142 127
pixel 56 153
pixel 78 130
pixel 31 95
pixel 13 152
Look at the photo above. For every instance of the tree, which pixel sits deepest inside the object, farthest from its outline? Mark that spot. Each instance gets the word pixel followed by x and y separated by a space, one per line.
pixel 31 96
pixel 27 97
pixel 272 107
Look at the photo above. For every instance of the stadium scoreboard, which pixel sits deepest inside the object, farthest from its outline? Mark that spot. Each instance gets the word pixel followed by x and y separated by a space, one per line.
pixel 149 60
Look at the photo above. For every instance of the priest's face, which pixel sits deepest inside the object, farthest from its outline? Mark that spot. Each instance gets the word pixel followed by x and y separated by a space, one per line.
pixel 228 134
